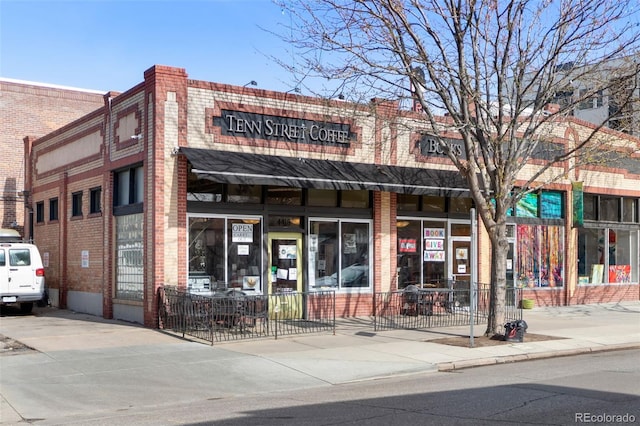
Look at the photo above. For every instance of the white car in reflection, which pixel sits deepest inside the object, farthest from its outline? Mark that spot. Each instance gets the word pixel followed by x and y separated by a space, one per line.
pixel 355 275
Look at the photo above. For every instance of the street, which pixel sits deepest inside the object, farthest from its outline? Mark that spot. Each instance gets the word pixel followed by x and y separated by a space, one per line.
pixel 599 388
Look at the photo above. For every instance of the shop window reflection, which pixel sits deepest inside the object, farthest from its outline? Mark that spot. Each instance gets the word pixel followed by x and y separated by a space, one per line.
pixel 409 249
pixel 244 254
pixel 206 253
pixel 540 256
pixel 341 260
pixel 433 204
pixel 284 195
pixel 322 197
pixel 460 205
pixel 251 194
pixel 355 199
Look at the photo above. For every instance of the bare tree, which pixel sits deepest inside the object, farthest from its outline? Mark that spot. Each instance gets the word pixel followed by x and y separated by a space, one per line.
pixel 492 67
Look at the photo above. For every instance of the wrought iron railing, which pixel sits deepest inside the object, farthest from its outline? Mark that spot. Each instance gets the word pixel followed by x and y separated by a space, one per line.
pixel 234 315
pixel 454 304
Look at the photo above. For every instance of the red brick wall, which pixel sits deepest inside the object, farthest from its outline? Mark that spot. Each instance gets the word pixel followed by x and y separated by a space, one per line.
pixel 30 109
pixel 585 295
pixel 605 294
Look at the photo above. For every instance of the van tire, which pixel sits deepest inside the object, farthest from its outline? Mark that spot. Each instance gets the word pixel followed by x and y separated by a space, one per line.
pixel 26 307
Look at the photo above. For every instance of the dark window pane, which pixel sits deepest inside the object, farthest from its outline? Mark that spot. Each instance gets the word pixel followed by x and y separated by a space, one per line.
pixel 40 212
pixel 355 199
pixel 433 204
pixel 408 203
pixel 53 209
pixel 610 209
pixel 251 194
pixel 95 202
pixel 590 203
pixel 460 205
pixel 284 195
pixel 323 198
pixel 630 210
pixel 76 204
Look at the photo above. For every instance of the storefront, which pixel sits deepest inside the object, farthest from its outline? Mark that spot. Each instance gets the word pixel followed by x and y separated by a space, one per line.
pixel 204 186
pixel 609 237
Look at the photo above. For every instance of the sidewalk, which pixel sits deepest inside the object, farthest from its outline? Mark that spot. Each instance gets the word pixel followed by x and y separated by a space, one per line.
pixel 83 364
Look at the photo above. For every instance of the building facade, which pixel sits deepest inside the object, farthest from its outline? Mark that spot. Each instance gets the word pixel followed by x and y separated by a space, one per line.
pixel 31 109
pixel 201 186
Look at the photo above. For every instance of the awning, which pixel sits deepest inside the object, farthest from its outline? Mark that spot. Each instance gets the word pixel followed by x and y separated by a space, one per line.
pixel 258 169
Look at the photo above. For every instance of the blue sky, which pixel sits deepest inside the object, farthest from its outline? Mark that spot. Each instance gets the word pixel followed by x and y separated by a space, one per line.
pixel 108 44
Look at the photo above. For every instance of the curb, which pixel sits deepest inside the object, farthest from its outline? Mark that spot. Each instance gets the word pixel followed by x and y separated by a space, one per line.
pixel 480 362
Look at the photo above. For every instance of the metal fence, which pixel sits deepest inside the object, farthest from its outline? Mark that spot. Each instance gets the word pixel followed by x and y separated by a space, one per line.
pixel 455 304
pixel 234 315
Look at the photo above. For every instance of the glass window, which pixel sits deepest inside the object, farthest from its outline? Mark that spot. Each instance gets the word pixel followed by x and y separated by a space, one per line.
pixel 460 205
pixel 322 197
pixel 122 188
pixel 590 256
pixel 408 203
pixel 206 253
pixel 244 253
pixel 433 204
pixel 129 186
pixel 76 204
pixel 551 205
pixel 590 210
pixel 610 209
pixel 40 212
pixel 342 257
pixel 250 194
pixel 355 199
pixel 95 202
pixel 129 257
pixel 434 254
pixel 225 252
pixel 285 221
pixel 3 261
pixel 460 229
pixel 528 206
pixel 284 195
pixel 630 210
pixel 355 255
pixel 53 209
pixel 540 255
pixel 623 256
pixel 408 254
pixel 607 255
pixel 138 185
pixel 203 190
pixel 19 257
pixel 324 262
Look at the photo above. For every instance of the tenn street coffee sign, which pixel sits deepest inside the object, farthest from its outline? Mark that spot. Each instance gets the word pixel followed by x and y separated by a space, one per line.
pixel 272 127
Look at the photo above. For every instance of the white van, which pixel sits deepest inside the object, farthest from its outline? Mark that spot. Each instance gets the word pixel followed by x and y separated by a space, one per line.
pixel 21 272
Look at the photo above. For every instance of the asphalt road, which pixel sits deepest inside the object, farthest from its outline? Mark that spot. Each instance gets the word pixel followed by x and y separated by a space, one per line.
pixel 563 391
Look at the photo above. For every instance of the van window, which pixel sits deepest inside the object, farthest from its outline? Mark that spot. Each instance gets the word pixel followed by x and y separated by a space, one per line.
pixel 2 261
pixel 19 257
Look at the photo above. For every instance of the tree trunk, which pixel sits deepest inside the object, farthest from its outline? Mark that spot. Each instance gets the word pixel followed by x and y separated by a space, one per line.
pixel 498 286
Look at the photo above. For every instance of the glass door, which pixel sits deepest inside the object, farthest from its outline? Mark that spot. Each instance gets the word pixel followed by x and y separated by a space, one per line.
pixel 460 264
pixel 285 270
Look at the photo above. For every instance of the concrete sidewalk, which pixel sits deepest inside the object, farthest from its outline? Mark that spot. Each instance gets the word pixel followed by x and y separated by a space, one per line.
pixel 81 364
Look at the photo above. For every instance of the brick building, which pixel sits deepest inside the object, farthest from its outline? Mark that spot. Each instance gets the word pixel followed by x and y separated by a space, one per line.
pixel 31 109
pixel 201 185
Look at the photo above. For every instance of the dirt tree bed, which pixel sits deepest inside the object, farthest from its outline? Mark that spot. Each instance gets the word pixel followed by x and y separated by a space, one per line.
pixel 483 341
